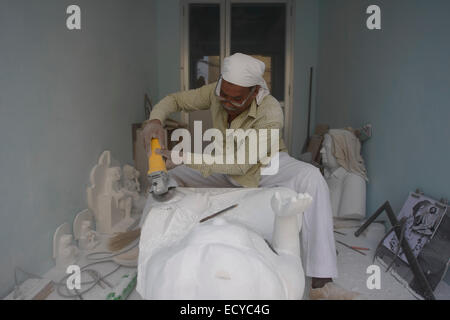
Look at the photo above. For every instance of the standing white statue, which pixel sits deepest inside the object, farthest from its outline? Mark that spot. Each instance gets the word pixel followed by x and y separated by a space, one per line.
pixel 130 181
pixel 107 200
pixel 123 201
pixel 132 187
pixel 67 253
pixel 345 174
pixel 88 239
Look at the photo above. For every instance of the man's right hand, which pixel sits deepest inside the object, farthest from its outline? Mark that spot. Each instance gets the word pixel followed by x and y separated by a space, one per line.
pixel 153 129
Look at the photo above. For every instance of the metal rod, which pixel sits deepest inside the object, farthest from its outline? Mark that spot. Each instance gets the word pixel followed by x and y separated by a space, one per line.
pixel 308 133
pixel 218 213
pixel 350 247
pixel 370 220
pixel 415 267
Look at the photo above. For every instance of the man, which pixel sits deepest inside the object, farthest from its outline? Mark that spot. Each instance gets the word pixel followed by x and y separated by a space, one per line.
pixel 241 100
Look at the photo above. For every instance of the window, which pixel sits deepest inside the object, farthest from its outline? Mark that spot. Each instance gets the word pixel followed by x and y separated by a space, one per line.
pixel 215 29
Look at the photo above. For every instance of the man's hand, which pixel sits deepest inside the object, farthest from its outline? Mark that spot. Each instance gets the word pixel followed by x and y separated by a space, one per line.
pixel 153 129
pixel 167 154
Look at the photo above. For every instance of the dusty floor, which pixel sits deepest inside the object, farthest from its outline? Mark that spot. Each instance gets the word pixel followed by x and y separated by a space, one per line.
pixel 352 268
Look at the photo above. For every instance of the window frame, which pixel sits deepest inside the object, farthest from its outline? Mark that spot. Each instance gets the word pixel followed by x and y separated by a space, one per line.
pixel 225 48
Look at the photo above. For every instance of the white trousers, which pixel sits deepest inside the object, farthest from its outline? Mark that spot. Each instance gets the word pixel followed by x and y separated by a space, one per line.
pixel 318 246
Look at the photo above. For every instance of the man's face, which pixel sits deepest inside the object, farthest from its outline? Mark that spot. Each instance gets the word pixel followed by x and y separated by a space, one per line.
pixel 238 95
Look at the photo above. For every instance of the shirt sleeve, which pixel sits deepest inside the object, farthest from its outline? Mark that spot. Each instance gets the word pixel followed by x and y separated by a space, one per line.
pixel 187 101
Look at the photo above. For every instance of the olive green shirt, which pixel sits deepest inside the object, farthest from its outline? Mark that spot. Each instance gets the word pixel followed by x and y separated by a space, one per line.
pixel 268 115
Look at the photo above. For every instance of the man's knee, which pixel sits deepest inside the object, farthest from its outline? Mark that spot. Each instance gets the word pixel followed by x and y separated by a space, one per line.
pixel 316 175
pixel 310 176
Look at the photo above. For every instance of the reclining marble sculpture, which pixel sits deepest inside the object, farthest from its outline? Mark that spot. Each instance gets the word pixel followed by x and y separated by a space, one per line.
pixel 226 257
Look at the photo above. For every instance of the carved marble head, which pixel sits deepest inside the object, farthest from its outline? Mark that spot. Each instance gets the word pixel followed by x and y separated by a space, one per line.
pixel 114 173
pixel 328 160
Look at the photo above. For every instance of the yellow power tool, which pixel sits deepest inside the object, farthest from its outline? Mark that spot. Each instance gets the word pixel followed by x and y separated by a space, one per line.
pixel 157 174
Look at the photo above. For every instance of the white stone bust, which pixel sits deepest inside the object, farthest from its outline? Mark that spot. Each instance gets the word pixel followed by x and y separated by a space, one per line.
pixel 347 189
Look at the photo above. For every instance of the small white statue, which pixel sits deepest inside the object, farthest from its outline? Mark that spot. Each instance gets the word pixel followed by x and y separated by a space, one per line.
pixel 222 258
pixel 67 253
pixel 88 238
pixel 110 203
pixel 347 185
pixel 131 182
pixel 113 187
pixel 131 187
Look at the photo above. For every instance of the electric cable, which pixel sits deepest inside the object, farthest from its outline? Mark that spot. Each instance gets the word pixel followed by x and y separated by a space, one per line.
pixel 62 282
pixel 95 275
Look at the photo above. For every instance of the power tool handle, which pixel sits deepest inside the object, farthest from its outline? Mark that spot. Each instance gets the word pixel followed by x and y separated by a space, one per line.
pixel 155 161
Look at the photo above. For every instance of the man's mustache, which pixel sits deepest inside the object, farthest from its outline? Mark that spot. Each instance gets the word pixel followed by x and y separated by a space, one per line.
pixel 230 108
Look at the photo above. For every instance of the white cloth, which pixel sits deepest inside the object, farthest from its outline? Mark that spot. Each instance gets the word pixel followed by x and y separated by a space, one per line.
pixel 317 237
pixel 347 151
pixel 245 71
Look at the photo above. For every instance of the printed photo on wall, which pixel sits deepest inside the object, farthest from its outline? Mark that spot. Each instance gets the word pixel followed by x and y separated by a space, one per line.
pixel 423 217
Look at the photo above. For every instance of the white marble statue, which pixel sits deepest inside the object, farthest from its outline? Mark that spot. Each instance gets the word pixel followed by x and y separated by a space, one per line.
pixel 132 187
pixel 347 186
pixel 224 258
pixel 130 181
pixel 108 201
pixel 113 187
pixel 67 252
pixel 88 239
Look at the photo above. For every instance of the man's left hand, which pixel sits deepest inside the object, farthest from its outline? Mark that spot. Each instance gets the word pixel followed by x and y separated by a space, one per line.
pixel 167 154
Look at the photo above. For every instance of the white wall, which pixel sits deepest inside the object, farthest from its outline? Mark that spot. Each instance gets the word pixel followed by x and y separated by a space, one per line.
pixel 305 56
pixel 398 80
pixel 65 96
pixel 168 40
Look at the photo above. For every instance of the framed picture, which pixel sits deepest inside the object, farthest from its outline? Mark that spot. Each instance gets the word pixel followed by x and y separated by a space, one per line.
pixel 423 217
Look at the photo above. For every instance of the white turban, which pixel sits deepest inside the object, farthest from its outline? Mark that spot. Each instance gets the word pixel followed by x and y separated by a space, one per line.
pixel 245 71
